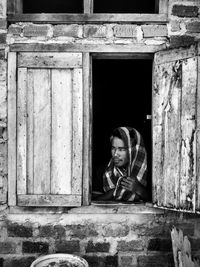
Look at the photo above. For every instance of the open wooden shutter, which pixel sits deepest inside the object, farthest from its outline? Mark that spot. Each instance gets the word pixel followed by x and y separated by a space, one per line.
pixel 175 133
pixel 49 129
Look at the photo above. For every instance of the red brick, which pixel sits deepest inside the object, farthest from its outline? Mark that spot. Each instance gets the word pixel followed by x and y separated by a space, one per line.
pixel 7 248
pixel 154 30
pixel 15 30
pixel 35 247
pixel 67 246
pixel 2 38
pixel 134 245
pixel 185 11
pixel 97 247
pixel 21 262
pixel 193 27
pixel 195 244
pixel 161 260
pixel 95 31
pixel 66 30
pixel 115 230
pixel 126 261
pixel 178 41
pixel 160 245
pixel 36 30
pixel 100 261
pixel 16 230
pixel 81 231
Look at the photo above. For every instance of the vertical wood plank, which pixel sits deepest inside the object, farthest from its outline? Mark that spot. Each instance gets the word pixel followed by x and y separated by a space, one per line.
pixel 19 6
pixel 198 137
pixel 77 129
pixel 163 6
pixel 188 127
pixel 166 136
pixel 61 131
pixel 12 142
pixel 42 125
pixel 30 132
pixel 21 131
pixel 88 6
pixel 87 128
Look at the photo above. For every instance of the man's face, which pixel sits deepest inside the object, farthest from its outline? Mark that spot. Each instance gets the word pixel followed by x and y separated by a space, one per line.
pixel 119 152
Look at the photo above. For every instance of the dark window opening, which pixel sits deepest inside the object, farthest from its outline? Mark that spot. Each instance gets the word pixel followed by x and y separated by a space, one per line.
pixel 52 6
pixel 125 6
pixel 121 97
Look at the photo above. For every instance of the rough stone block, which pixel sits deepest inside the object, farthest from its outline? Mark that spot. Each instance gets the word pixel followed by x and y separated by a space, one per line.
pixel 36 30
pixel 67 30
pixel 175 26
pixel 125 31
pixel 67 246
pixel 193 27
pixel 154 30
pixel 81 231
pixel 134 245
pixel 184 40
pixel 160 245
pixel 97 247
pixel 35 247
pixel 94 31
pixel 16 230
pixel 185 11
pixel 115 230
pixel 7 247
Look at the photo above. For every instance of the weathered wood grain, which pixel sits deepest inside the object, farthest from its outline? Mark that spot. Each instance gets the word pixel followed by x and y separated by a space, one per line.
pixel 97 48
pixel 49 200
pixel 77 130
pixel 30 131
pixel 12 138
pixel 198 136
pixel 21 131
pixel 69 18
pixel 188 135
pixel 166 134
pixel 61 131
pixel 175 54
pixel 87 127
pixel 49 60
pixel 88 6
pixel 42 124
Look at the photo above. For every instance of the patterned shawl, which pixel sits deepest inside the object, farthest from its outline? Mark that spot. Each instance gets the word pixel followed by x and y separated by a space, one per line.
pixel 137 166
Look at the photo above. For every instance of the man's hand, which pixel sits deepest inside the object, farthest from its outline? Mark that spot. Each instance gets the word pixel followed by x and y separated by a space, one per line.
pixel 130 184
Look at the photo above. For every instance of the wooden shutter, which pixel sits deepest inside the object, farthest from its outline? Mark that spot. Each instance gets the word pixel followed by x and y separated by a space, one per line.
pixel 175 129
pixel 49 129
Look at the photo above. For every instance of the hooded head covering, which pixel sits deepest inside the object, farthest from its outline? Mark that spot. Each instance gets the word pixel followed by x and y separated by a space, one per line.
pixel 136 167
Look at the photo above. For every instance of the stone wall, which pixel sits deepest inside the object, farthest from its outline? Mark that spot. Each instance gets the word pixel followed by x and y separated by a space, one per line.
pixel 104 238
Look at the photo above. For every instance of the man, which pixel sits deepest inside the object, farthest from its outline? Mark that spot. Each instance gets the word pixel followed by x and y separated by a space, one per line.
pixel 125 176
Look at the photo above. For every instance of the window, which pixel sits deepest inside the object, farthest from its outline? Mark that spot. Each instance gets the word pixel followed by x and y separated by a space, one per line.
pixel 121 97
pixel 51 127
pixel 87 11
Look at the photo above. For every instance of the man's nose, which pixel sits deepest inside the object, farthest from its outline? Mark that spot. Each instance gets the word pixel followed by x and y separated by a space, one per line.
pixel 116 152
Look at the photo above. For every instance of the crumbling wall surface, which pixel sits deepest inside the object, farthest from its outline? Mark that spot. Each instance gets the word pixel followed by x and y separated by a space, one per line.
pixel 3 106
pixel 103 238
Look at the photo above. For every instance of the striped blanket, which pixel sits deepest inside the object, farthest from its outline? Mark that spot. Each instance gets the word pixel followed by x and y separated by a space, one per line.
pixel 136 167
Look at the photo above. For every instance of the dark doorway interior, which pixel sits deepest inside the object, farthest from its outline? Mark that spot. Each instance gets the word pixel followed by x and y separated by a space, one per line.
pixel 125 6
pixel 52 6
pixel 121 97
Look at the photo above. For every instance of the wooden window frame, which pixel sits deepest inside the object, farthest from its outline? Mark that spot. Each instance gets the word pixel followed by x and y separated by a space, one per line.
pixel 15 14
pixel 88 51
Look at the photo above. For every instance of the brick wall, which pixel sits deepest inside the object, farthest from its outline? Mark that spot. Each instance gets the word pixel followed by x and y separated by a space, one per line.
pixel 104 239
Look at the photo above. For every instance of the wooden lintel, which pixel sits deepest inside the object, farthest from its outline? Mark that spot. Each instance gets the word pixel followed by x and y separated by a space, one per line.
pixel 96 48
pixel 84 18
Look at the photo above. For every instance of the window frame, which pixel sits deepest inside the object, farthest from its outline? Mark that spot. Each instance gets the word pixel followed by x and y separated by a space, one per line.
pixel 88 51
pixel 15 14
